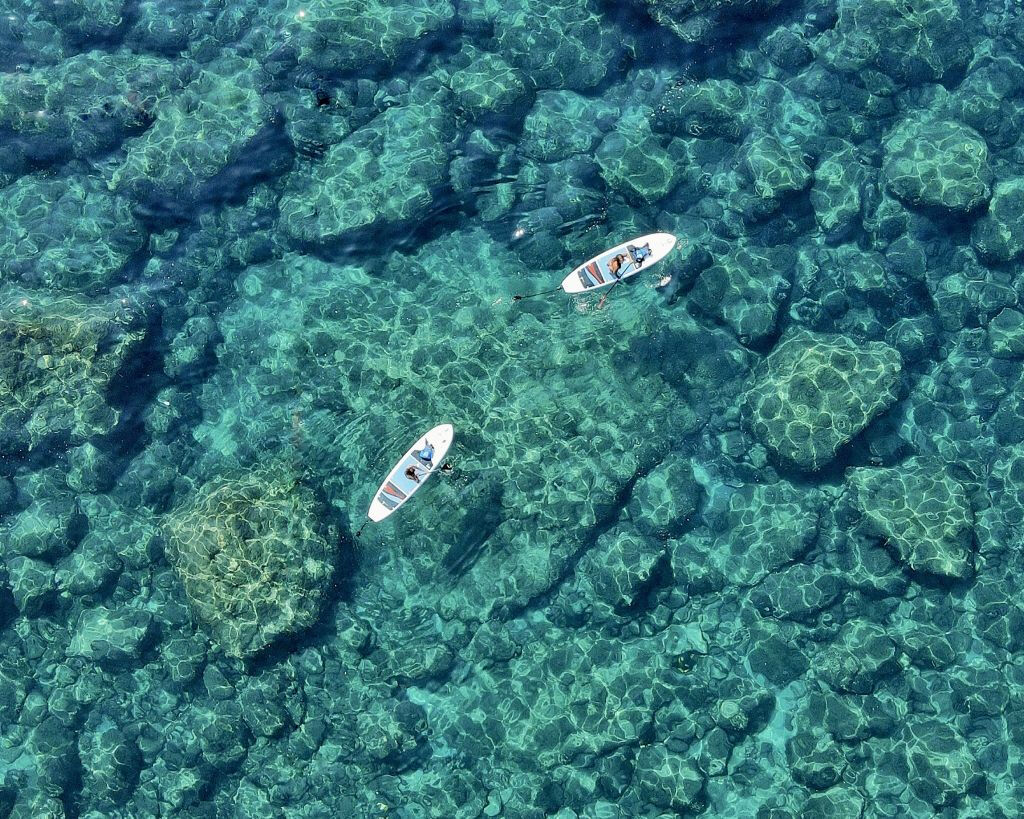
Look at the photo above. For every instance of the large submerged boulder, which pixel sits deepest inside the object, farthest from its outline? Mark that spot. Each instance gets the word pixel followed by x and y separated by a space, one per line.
pixel 815 392
pixel 922 511
pixel 254 558
pixel 937 165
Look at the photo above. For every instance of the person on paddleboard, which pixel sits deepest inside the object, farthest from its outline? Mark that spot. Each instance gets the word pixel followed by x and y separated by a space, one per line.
pixel 412 474
pixel 427 454
pixel 639 254
pixel 615 265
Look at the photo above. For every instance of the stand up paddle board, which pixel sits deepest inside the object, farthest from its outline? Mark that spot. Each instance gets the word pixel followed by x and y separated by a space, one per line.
pixel 399 486
pixel 620 262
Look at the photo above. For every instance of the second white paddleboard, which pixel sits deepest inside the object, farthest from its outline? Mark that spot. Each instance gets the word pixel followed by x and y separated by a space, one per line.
pixel 399 486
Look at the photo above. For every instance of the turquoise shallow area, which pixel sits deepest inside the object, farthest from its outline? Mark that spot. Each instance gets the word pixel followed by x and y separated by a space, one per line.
pixel 743 541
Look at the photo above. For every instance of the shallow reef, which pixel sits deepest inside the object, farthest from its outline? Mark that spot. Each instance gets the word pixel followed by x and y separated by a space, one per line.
pixel 745 543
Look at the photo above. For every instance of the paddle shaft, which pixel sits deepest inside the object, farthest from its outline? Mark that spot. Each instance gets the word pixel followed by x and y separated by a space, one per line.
pixel 608 292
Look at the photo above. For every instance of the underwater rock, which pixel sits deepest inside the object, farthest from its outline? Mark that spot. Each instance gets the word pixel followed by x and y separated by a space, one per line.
pixel 201 131
pixel 91 567
pixel 713 108
pixel 916 42
pixel 1006 334
pixel 484 83
pixel 764 528
pixel 615 572
pixel 83 107
pixel 382 173
pixel 342 36
pixel 634 163
pixel 253 556
pixel 263 709
pixel 815 392
pixel 836 192
pixel 987 100
pixel 47 528
pixel 777 658
pixel 799 592
pixel 776 169
pixel 116 636
pixel 814 759
pixel 840 802
pixel 111 762
pixel 861 656
pixel 922 511
pixel 557 44
pixel 664 500
pixel 562 124
pixel 91 469
pixel 998 236
pixel 786 48
pixel 942 768
pixel 65 234
pixel 854 718
pixel 87 20
pixel 937 164
pixel 667 780
pixel 192 348
pixel 33 585
pixel 58 359
pixel 700 21
pixel 745 289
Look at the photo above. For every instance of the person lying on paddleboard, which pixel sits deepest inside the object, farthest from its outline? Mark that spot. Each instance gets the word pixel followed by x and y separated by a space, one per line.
pixel 427 454
pixel 639 254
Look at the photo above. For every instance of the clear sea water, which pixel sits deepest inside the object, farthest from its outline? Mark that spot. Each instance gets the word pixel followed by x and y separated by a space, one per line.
pixel 741 540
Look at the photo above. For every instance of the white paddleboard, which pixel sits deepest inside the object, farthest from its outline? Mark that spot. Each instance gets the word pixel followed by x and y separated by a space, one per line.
pixel 619 262
pixel 398 487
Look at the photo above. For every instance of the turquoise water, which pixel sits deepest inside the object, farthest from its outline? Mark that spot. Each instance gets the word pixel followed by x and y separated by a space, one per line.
pixel 745 543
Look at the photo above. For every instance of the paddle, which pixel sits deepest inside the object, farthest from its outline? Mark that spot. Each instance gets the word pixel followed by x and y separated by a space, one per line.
pixel 608 292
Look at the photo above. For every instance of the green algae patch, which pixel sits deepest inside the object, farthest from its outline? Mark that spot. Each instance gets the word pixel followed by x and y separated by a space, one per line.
pixel 815 392
pixel 922 511
pixel 58 358
pixel 253 556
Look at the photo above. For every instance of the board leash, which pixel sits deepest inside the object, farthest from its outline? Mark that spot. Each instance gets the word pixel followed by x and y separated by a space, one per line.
pixel 531 295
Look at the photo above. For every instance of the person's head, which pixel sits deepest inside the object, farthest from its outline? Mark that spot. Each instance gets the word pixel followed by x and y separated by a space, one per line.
pixel 446 467
pixel 412 475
